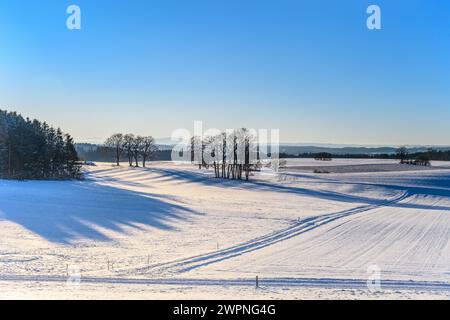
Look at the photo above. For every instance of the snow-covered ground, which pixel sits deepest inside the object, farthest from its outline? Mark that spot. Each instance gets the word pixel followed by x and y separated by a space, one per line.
pixel 171 231
pixel 342 162
pixel 356 165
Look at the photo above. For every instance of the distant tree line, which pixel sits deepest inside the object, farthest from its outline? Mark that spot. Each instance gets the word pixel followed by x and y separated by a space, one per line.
pixel 402 153
pixel 135 148
pixel 313 155
pixel 323 156
pixel 30 149
pixel 102 153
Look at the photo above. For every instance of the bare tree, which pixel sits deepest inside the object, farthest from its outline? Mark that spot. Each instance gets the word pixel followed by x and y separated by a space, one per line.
pixel 243 153
pixel 212 153
pixel 137 148
pixel 402 154
pixel 117 142
pixel 128 146
pixel 148 149
pixel 196 149
pixel 232 155
pixel 423 160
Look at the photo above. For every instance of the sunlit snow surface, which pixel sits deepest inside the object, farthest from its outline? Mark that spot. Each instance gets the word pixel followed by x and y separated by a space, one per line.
pixel 172 231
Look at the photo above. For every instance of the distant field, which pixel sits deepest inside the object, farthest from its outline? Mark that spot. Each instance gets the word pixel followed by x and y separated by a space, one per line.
pixel 336 162
pixel 356 165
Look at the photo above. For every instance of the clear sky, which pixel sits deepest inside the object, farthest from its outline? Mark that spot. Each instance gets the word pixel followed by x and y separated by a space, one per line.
pixel 310 68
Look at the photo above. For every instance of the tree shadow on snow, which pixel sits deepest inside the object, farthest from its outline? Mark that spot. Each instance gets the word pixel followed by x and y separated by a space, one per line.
pixel 64 211
pixel 438 187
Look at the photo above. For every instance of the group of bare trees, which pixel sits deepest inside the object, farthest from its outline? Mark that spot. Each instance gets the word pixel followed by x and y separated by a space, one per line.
pixel 232 155
pixel 134 147
pixel 421 159
pixel 402 154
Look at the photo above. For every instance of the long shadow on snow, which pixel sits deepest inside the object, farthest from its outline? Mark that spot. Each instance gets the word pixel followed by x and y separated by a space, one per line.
pixel 192 177
pixel 64 211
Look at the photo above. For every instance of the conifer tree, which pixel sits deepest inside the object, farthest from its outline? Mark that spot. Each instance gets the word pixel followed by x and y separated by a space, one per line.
pixel 30 149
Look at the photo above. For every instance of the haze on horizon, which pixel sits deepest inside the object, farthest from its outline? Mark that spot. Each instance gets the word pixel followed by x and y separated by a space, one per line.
pixel 309 68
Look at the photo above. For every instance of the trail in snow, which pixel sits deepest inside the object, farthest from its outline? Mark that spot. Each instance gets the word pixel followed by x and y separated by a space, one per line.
pixel 187 264
pixel 264 282
pixel 160 226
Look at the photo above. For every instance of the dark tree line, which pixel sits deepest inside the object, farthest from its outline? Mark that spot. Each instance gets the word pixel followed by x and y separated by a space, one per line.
pixel 102 153
pixel 136 148
pixel 323 156
pixel 432 155
pixel 30 149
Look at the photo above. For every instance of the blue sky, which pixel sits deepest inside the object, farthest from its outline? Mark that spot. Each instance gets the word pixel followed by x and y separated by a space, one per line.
pixel 310 68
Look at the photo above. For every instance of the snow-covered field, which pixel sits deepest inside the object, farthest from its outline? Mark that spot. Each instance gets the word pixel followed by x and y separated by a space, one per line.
pixel 171 231
pixel 356 165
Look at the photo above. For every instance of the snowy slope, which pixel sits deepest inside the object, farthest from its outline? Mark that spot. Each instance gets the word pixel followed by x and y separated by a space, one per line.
pixel 179 231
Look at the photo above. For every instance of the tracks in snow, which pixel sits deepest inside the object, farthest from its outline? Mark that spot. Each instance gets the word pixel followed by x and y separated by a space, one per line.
pixel 187 264
pixel 268 282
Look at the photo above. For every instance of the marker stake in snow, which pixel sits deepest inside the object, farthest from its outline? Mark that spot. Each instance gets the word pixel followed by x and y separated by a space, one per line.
pixel 374 279
pixel 74 276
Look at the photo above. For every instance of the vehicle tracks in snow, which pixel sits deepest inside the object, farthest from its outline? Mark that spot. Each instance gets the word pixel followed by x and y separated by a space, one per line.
pixel 331 283
pixel 306 225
